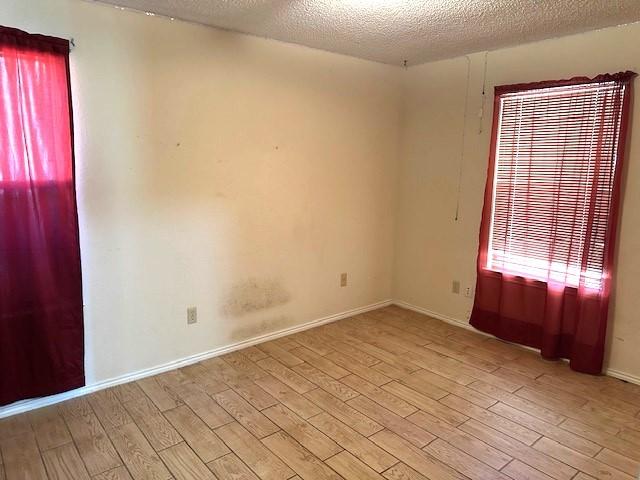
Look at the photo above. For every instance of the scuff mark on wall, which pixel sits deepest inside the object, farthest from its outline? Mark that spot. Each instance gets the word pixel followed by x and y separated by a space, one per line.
pixel 253 295
pixel 260 327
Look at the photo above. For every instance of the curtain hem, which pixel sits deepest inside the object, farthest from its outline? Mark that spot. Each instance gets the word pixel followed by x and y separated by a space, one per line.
pixel 45 391
pixel 582 358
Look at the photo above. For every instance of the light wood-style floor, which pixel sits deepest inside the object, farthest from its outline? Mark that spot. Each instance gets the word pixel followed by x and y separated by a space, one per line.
pixel 390 394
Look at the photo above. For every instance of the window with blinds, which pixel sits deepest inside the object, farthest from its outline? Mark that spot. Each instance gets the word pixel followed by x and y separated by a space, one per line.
pixel 554 164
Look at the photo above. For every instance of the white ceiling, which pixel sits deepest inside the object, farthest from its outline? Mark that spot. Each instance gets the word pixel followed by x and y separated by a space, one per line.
pixel 391 31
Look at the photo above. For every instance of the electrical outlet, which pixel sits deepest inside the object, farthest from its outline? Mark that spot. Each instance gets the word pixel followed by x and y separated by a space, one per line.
pixel 455 286
pixel 343 279
pixel 192 315
pixel 468 292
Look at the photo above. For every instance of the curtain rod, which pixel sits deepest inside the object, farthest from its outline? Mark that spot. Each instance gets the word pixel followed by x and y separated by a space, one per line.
pixel 72 44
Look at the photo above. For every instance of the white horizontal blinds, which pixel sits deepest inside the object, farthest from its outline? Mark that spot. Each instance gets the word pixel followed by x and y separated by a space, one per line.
pixel 554 169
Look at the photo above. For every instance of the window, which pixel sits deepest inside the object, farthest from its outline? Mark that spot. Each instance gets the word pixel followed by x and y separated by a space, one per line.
pixel 547 236
pixel 554 160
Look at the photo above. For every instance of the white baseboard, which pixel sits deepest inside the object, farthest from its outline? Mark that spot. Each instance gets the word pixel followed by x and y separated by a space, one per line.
pixel 32 404
pixel 453 321
pixel 627 377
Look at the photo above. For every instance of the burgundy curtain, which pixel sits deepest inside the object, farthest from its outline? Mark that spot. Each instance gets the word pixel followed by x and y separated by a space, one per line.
pixel 554 221
pixel 41 327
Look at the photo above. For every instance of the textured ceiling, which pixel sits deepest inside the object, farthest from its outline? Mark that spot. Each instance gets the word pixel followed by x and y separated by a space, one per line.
pixel 391 31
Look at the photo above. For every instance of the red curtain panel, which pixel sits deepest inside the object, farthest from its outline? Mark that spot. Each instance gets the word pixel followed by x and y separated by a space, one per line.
pixel 41 326
pixel 549 221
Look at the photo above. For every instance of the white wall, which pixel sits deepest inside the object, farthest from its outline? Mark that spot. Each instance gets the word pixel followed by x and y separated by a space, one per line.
pixel 237 174
pixel 444 157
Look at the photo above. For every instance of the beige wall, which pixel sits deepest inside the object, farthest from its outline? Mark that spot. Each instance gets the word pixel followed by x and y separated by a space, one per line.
pixel 243 175
pixel 237 174
pixel 444 157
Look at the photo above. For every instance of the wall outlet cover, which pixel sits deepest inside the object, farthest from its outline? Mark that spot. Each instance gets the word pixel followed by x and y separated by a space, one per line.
pixel 192 315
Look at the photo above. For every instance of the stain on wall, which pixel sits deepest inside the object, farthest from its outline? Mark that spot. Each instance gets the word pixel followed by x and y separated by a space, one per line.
pixel 254 295
pixel 260 327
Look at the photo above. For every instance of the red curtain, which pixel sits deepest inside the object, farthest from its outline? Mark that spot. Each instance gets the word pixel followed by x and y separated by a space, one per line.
pixel 549 220
pixel 41 326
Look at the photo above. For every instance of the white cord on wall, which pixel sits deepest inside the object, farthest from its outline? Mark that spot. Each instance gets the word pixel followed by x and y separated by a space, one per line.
pixel 464 134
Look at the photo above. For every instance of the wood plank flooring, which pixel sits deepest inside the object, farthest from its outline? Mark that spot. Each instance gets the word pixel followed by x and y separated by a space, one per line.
pixel 386 395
